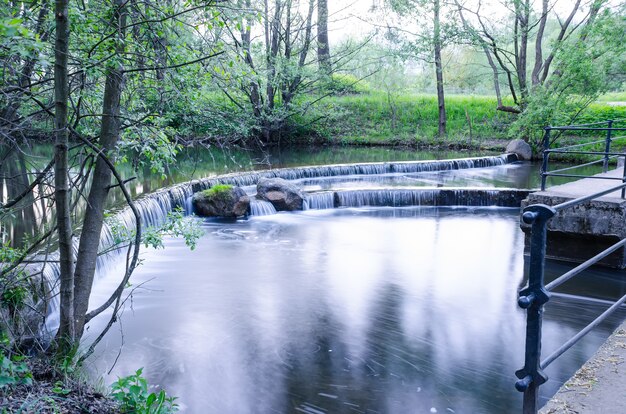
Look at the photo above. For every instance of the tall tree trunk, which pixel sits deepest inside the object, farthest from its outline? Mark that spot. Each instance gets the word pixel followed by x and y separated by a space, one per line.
pixel 66 333
pixel 439 68
pixel 522 11
pixel 323 48
pixel 539 44
pixel 94 215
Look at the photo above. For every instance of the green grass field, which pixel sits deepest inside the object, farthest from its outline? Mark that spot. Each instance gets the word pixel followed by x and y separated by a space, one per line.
pixel 613 97
pixel 376 118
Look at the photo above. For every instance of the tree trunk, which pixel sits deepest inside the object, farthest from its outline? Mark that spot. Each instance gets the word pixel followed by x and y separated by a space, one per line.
pixel 66 334
pixel 539 44
pixel 323 48
pixel 439 69
pixel 522 11
pixel 94 215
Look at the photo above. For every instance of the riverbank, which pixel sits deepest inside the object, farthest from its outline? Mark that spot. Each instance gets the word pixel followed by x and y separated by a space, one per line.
pixel 598 386
pixel 48 391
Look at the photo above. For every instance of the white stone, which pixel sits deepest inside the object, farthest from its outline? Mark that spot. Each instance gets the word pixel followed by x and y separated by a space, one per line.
pixel 521 148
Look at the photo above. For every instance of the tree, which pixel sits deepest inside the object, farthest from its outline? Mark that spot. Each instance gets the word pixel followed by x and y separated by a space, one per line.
pixel 427 43
pixel 554 82
pixel 274 70
pixel 99 39
pixel 323 48
pixel 67 331
pixel 507 51
pixel 441 102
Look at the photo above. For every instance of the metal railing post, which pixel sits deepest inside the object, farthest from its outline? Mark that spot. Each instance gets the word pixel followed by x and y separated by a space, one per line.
pixel 544 165
pixel 623 174
pixel 607 146
pixel 532 299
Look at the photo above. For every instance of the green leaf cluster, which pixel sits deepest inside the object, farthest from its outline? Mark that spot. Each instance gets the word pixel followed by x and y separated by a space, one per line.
pixel 176 225
pixel 134 397
pixel 14 371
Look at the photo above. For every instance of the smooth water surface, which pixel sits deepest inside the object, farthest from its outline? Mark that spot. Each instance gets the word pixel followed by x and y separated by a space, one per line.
pixel 372 310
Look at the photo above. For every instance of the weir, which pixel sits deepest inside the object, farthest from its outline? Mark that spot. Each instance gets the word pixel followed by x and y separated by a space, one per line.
pixel 155 207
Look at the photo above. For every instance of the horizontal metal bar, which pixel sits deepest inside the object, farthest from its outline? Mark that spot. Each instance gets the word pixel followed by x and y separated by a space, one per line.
pixel 567 345
pixel 581 200
pixel 601 141
pixel 578 166
pixel 585 129
pixel 595 259
pixel 560 151
pixel 582 176
pixel 581 125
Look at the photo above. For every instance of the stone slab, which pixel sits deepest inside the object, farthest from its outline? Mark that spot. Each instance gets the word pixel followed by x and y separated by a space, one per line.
pixel 579 233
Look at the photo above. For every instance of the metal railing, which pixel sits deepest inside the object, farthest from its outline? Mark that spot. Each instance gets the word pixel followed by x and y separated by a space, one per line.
pixel 537 293
pixel 607 128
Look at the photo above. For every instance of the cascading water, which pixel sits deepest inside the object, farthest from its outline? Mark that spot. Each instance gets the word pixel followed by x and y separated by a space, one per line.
pixel 261 208
pixel 251 178
pixel 429 197
pixel 153 208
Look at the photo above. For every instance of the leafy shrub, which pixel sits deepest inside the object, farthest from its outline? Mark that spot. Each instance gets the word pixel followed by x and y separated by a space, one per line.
pixel 345 84
pixel 132 393
pixel 14 371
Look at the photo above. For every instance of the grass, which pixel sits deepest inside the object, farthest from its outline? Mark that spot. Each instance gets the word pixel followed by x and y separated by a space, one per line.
pixel 217 190
pixel 613 97
pixel 378 118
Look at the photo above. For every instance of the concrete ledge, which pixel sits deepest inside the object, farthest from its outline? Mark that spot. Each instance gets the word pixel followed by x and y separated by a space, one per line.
pixel 579 233
pixel 599 386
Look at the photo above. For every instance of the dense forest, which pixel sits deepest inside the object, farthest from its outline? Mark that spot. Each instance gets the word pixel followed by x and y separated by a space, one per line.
pixel 132 82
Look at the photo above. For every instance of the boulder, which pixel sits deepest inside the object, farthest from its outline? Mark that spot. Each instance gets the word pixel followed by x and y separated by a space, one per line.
pixel 521 148
pixel 221 201
pixel 284 195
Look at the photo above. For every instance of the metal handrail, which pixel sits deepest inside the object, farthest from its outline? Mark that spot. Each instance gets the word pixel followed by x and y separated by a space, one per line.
pixel 537 293
pixel 605 155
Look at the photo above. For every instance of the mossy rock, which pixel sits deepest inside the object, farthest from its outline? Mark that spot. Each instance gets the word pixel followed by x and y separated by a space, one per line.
pixel 221 201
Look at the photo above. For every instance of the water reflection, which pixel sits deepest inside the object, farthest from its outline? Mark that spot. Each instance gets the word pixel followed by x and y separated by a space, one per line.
pixel 349 310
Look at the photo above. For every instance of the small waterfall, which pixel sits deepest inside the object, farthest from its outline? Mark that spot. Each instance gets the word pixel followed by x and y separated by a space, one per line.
pixel 153 209
pixel 261 207
pixel 429 197
pixel 251 178
pixel 320 201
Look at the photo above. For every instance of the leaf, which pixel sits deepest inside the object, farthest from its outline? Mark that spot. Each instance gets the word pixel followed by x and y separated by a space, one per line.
pixel 151 399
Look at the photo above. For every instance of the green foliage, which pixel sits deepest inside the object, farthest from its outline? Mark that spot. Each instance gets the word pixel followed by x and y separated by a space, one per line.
pixel 13 285
pixel 176 225
pixel 149 146
pixel 14 371
pixel 410 119
pixel 217 190
pixel 134 397
pixel 8 254
pixel 13 297
pixel 346 84
pixel 583 72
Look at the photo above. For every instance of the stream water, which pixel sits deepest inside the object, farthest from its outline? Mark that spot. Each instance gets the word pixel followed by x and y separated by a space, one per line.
pixel 349 310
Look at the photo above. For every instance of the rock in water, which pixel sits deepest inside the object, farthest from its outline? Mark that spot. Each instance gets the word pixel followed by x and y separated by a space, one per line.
pixel 521 148
pixel 221 201
pixel 284 195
